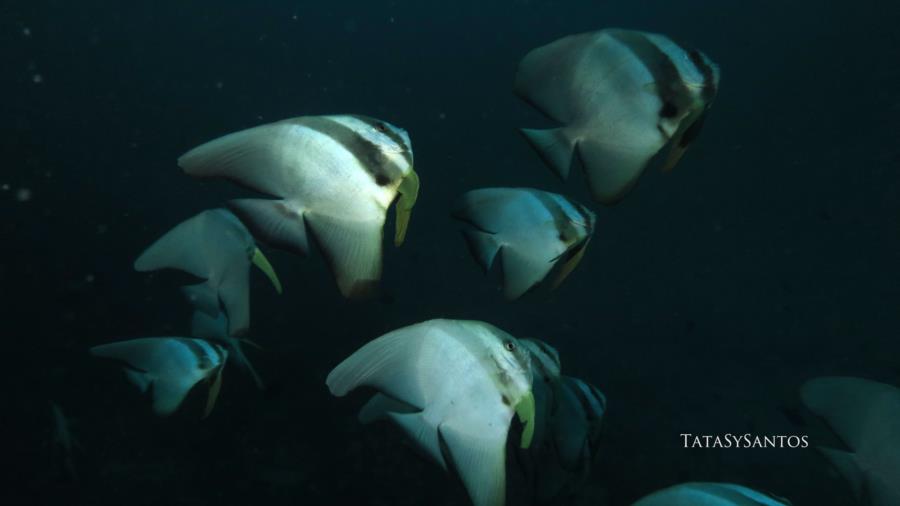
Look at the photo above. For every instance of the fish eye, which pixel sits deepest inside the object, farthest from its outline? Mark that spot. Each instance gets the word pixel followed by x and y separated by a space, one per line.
pixel 509 346
pixel 380 127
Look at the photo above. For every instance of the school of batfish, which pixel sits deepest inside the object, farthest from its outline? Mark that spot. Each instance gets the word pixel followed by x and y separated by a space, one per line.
pixel 466 393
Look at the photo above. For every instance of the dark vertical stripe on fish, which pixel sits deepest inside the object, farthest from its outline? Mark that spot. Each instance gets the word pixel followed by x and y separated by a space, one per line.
pixel 568 233
pixel 369 155
pixel 705 69
pixel 384 128
pixel 669 84
pixel 550 352
pixel 583 212
pixel 204 361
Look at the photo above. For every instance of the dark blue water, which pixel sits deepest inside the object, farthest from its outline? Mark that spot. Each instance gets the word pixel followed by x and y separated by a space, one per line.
pixel 769 256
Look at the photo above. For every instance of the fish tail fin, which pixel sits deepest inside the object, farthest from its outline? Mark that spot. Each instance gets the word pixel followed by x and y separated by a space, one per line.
pixel 554 146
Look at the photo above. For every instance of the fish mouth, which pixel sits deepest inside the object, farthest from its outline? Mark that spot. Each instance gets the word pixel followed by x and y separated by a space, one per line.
pixel 409 192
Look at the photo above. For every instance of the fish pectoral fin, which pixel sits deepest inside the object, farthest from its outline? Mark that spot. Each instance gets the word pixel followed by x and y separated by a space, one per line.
pixel 260 260
pixel 213 392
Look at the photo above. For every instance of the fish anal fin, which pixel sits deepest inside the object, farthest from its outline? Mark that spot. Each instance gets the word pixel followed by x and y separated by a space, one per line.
pixel 279 223
pixel 483 246
pixel 846 465
pixel 521 271
pixel 381 405
pixel 203 297
pixel 422 433
pixel 353 249
pixel 479 458
pixel 613 170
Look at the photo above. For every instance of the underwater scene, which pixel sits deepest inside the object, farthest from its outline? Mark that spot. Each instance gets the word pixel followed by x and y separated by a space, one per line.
pixel 511 253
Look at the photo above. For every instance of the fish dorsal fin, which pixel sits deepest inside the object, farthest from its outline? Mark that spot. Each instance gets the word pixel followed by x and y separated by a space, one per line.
pixel 546 74
pixel 251 157
pixel 403 364
pixel 853 407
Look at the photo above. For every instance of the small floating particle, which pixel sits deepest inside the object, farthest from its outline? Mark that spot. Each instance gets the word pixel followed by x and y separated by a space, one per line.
pixel 37 79
pixel 219 85
pixel 5 187
pixel 89 278
pixel 26 32
pixel 23 195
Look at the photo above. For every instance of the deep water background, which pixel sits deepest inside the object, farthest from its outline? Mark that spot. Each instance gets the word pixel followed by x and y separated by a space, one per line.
pixel 769 256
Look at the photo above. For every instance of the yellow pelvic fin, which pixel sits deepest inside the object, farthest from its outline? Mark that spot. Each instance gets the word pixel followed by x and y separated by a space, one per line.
pixel 213 392
pixel 409 192
pixel 262 262
pixel 252 343
pixel 674 155
pixel 569 266
pixel 525 410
